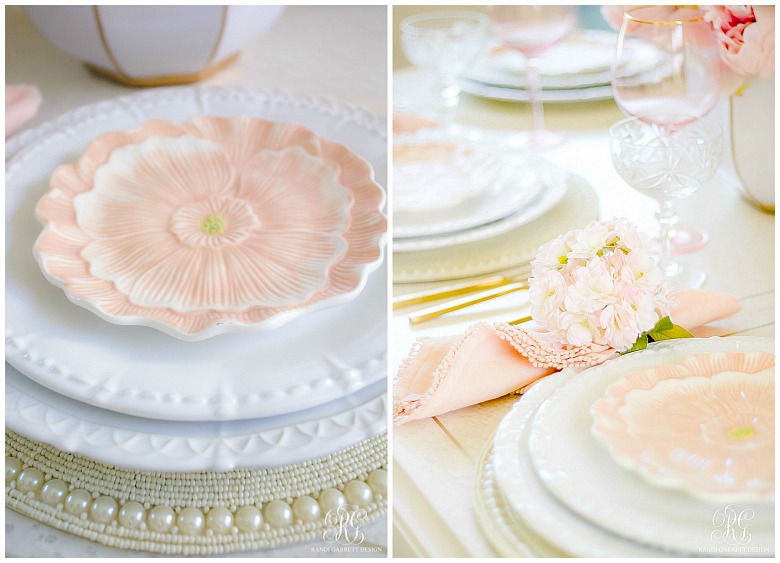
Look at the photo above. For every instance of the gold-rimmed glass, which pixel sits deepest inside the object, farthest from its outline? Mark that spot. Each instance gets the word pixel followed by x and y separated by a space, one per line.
pixel 682 81
pixel 666 79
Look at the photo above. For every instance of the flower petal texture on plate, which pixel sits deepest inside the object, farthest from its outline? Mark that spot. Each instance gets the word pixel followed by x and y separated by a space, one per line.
pixel 210 225
pixel 705 425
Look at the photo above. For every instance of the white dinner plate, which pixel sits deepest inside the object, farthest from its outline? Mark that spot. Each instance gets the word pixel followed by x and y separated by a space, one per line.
pixel 139 371
pixel 511 94
pixel 510 249
pixel 154 445
pixel 443 185
pixel 528 498
pixel 582 59
pixel 582 475
pixel 553 185
pixel 576 70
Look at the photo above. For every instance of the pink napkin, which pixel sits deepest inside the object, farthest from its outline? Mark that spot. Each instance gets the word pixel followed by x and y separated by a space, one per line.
pixel 492 360
pixel 21 105
pixel 409 122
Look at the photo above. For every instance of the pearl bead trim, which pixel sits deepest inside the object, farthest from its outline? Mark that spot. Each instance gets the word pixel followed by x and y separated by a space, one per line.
pixel 206 513
pixel 501 526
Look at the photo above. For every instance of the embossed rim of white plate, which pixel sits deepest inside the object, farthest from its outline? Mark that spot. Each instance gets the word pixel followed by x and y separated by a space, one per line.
pixel 514 248
pixel 527 496
pixel 501 526
pixel 478 207
pixel 69 350
pixel 552 193
pixel 133 443
pixel 598 489
pixel 428 136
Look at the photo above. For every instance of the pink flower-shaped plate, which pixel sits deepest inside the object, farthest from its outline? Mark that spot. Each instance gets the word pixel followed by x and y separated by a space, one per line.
pixel 705 426
pixel 212 225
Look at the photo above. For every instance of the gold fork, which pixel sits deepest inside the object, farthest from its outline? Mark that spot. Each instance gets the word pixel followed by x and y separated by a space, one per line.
pixel 463 302
pixel 459 288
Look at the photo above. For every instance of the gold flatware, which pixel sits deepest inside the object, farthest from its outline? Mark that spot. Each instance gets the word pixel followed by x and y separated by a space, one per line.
pixel 457 304
pixel 458 288
pixel 520 321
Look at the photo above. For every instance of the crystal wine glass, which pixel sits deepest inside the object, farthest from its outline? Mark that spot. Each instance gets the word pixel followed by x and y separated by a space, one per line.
pixel 669 91
pixel 532 30
pixel 667 167
pixel 446 43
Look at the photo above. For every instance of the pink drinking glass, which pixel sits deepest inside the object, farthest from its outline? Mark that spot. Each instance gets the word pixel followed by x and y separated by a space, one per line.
pixel 532 30
pixel 682 83
pixel 674 88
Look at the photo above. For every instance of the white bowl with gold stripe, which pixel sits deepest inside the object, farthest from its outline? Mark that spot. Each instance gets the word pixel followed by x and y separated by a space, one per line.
pixel 153 45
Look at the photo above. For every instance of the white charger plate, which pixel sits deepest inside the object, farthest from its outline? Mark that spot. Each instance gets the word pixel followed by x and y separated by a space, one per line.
pixel 582 475
pixel 136 370
pixel 528 498
pixel 154 445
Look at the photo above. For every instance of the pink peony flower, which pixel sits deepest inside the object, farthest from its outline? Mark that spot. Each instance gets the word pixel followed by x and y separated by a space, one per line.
pixel 613 15
pixel 598 285
pixel 747 35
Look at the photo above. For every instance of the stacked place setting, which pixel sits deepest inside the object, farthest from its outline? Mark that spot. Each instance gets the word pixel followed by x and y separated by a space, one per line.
pixel 492 219
pixel 460 207
pixel 575 70
pixel 467 201
pixel 182 389
pixel 664 452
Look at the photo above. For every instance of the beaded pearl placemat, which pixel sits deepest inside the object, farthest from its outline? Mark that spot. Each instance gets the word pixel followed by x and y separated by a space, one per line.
pixel 205 513
pixel 504 530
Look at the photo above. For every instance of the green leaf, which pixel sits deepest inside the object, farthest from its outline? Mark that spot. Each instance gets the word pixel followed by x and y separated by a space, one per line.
pixel 640 344
pixel 674 332
pixel 663 324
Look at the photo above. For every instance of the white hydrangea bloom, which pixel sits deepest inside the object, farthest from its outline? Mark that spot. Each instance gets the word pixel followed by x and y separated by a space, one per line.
pixel 598 285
